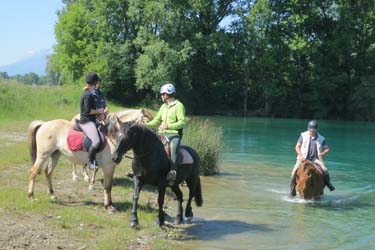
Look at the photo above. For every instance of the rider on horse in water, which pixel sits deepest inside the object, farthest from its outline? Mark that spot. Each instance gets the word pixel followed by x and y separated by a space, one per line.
pixel 171 121
pixel 311 146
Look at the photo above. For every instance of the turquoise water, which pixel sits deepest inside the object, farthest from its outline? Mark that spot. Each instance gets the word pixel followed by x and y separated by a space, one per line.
pixel 247 206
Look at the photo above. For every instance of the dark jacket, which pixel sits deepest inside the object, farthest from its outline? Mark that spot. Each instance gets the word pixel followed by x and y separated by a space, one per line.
pixel 87 103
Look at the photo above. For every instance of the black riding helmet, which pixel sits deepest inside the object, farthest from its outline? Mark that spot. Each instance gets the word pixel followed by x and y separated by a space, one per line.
pixel 92 78
pixel 313 124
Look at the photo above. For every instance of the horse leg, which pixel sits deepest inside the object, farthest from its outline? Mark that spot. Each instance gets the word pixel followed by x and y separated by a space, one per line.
pixel 85 174
pixel 49 170
pixel 107 183
pixel 92 180
pixel 34 171
pixel 162 188
pixel 74 172
pixel 188 210
pixel 180 210
pixel 137 190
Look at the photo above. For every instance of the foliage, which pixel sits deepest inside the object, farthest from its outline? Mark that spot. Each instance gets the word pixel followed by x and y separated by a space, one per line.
pixel 280 58
pixel 206 139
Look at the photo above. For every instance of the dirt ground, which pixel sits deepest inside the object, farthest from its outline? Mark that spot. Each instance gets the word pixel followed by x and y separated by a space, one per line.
pixel 31 232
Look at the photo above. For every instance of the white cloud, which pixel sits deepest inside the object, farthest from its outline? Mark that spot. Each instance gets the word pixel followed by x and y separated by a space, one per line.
pixel 30 52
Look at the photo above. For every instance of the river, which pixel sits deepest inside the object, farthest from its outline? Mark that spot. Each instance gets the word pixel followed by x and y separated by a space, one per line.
pixel 247 206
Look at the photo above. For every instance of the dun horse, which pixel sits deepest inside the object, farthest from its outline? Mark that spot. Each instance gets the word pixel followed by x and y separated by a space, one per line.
pixel 48 141
pixel 138 115
pixel 151 165
pixel 310 182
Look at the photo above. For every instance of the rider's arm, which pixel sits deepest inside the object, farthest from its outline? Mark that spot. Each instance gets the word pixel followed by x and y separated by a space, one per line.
pixel 326 149
pixel 156 121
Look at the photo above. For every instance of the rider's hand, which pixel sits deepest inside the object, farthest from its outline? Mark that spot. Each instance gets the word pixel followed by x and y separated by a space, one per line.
pixel 163 127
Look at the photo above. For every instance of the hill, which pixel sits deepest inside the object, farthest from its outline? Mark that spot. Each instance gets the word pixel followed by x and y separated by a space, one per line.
pixel 35 63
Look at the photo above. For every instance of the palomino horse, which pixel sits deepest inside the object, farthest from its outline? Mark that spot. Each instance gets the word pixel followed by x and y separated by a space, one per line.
pixel 151 165
pixel 141 115
pixel 48 141
pixel 310 182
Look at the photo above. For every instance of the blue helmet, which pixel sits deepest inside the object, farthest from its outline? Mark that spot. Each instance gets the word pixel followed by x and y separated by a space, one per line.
pixel 313 124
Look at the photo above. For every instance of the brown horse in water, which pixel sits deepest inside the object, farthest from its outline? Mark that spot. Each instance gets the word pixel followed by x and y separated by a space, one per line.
pixel 310 181
pixel 48 141
pixel 141 115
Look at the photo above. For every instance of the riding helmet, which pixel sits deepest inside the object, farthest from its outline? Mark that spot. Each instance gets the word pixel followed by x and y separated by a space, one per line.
pixel 313 124
pixel 92 78
pixel 167 88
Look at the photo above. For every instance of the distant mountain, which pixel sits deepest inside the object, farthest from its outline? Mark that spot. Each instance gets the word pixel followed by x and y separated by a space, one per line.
pixel 35 63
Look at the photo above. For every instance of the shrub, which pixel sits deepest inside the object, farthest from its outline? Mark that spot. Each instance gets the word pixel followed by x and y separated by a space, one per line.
pixel 206 139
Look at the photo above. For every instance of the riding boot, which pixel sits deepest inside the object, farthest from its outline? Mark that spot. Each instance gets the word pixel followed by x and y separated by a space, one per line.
pixel 293 186
pixel 327 180
pixel 92 163
pixel 171 176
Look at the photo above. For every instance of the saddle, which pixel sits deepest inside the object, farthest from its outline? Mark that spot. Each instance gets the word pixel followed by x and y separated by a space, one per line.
pixel 78 141
pixel 183 156
pixel 318 169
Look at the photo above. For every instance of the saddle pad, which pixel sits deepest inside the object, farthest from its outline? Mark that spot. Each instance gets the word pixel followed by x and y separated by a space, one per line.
pixel 184 157
pixel 75 140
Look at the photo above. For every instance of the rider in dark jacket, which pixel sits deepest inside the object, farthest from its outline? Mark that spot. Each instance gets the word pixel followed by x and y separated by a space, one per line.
pixel 88 118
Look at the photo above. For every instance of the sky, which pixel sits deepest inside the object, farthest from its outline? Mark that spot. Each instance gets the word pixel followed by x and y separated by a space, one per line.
pixel 26 28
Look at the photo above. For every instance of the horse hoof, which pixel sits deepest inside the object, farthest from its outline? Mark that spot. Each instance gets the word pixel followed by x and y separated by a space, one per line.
pixel 178 220
pixel 111 209
pixel 189 219
pixel 53 197
pixel 133 224
pixel 86 179
pixel 91 187
pixel 75 178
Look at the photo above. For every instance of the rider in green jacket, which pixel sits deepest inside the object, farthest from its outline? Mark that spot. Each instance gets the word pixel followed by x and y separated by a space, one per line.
pixel 171 121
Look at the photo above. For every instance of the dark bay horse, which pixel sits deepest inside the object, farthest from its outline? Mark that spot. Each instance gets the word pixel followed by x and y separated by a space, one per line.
pixel 48 141
pixel 151 165
pixel 310 181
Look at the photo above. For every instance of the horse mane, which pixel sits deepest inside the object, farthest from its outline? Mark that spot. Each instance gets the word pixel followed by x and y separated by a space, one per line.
pixel 125 112
pixel 110 124
pixel 147 114
pixel 145 133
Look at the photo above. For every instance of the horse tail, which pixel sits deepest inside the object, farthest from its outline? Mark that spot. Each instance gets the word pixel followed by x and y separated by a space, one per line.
pixel 33 128
pixel 198 193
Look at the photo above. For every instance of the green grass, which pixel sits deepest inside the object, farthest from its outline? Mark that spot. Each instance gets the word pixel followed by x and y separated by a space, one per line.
pixel 206 139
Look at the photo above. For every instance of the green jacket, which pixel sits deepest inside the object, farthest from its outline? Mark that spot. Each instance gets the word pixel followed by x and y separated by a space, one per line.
pixel 173 115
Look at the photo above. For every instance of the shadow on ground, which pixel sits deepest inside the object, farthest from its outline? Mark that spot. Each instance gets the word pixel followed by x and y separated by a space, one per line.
pixel 214 229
